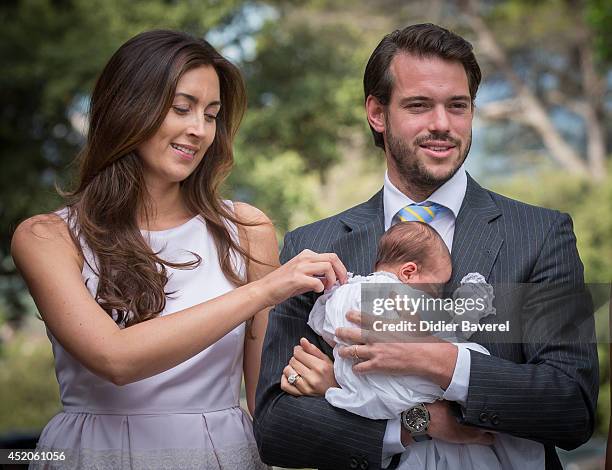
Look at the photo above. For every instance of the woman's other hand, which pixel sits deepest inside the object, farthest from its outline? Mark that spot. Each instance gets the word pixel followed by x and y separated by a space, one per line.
pixel 315 371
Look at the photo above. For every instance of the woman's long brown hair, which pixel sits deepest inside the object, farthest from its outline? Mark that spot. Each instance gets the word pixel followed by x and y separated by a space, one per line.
pixel 128 105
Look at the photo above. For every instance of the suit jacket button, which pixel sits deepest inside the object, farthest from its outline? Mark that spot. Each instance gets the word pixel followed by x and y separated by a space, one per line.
pixel 495 420
pixel 483 418
pixel 354 463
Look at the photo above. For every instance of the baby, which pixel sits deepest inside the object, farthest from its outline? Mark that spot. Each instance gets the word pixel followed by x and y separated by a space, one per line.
pixel 413 254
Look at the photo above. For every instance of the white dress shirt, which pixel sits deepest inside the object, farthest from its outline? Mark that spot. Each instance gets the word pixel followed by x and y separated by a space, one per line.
pixel 450 195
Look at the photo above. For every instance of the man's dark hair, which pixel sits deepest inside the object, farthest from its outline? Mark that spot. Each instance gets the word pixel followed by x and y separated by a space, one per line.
pixel 423 40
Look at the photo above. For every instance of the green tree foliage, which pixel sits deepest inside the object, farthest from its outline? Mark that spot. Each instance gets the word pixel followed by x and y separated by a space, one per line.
pixel 277 183
pixel 304 90
pixel 599 16
pixel 304 95
pixel 28 387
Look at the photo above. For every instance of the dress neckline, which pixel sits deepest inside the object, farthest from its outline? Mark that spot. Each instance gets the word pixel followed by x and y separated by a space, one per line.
pixel 171 229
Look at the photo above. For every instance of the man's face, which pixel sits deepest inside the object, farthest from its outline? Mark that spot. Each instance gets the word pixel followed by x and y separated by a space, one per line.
pixel 428 122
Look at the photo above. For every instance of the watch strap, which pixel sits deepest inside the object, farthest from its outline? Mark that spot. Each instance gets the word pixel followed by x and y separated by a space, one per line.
pixel 420 437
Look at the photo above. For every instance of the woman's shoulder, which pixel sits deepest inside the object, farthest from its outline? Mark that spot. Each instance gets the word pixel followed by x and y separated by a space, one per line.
pixel 49 225
pixel 253 222
pixel 44 231
pixel 257 235
pixel 249 214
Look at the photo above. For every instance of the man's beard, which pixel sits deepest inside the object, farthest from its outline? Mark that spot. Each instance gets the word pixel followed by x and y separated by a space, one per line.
pixel 412 170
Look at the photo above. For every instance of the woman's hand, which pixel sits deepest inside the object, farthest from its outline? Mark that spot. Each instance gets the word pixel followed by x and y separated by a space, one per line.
pixel 308 271
pixel 314 369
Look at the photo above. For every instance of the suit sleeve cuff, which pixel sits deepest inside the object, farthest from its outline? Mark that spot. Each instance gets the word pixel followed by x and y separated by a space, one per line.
pixel 458 388
pixel 392 441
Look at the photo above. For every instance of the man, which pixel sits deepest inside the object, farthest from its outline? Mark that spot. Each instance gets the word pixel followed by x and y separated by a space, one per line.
pixel 420 84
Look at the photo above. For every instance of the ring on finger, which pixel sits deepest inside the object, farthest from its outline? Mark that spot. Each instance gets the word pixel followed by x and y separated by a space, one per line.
pixel 354 353
pixel 293 378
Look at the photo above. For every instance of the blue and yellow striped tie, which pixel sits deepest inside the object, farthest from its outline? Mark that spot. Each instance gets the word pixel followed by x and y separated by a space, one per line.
pixel 424 212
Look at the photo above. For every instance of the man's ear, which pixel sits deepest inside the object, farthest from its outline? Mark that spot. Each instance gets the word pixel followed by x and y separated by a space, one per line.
pixel 408 271
pixel 376 114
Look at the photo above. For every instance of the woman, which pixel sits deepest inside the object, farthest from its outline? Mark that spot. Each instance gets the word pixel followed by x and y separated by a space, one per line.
pixel 146 278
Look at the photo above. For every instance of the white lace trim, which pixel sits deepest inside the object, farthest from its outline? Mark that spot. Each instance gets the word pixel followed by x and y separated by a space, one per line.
pixel 237 458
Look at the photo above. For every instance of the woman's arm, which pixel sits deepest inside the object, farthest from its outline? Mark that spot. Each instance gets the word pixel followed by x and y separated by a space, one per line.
pixel 253 344
pixel 261 243
pixel 49 262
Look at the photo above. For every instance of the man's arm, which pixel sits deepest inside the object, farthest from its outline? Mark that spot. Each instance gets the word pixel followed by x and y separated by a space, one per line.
pixel 305 431
pixel 552 396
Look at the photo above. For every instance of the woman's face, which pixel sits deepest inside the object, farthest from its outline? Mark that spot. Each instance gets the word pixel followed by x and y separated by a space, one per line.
pixel 180 143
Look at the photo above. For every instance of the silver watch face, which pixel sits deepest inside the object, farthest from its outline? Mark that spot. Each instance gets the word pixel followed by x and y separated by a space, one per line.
pixel 417 419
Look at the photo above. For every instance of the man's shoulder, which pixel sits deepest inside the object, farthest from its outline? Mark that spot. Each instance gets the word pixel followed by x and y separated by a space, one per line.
pixel 522 209
pixel 505 204
pixel 329 224
pixel 324 231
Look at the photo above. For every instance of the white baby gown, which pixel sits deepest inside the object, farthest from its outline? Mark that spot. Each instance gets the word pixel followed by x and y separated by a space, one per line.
pixel 382 396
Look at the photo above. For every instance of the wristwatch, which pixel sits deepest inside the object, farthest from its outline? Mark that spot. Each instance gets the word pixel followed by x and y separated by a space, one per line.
pixel 416 421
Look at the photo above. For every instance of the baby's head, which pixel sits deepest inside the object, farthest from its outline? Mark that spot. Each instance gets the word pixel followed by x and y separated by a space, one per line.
pixel 416 254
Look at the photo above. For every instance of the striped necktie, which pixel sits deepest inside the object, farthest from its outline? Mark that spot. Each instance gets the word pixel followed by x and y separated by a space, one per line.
pixel 424 212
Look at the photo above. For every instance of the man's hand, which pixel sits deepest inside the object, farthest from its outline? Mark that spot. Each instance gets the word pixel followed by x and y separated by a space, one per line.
pixel 444 426
pixel 425 356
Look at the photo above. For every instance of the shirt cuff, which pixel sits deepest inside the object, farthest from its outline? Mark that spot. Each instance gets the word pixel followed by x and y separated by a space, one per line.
pixel 458 388
pixel 392 442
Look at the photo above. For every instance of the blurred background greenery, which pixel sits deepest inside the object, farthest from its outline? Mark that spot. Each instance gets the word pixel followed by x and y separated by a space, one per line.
pixel 304 151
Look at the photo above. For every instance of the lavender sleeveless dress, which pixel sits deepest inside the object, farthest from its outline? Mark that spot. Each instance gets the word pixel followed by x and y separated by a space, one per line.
pixel 188 417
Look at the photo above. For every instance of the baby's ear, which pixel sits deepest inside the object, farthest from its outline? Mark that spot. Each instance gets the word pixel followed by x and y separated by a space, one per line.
pixel 408 271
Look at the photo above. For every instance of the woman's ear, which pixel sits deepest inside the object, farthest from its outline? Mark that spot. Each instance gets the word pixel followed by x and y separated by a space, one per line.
pixel 376 114
pixel 408 272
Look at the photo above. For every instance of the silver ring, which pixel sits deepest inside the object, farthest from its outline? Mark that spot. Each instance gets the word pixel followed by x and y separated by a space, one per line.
pixel 293 378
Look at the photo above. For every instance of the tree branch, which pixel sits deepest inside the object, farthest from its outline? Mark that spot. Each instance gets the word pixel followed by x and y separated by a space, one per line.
pixel 500 110
pixel 594 89
pixel 534 112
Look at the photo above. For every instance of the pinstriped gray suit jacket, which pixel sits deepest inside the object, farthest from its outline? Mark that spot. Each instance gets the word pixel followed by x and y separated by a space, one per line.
pixel 532 389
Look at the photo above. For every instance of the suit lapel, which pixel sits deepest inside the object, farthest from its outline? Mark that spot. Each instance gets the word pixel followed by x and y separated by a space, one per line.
pixel 364 225
pixel 476 242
